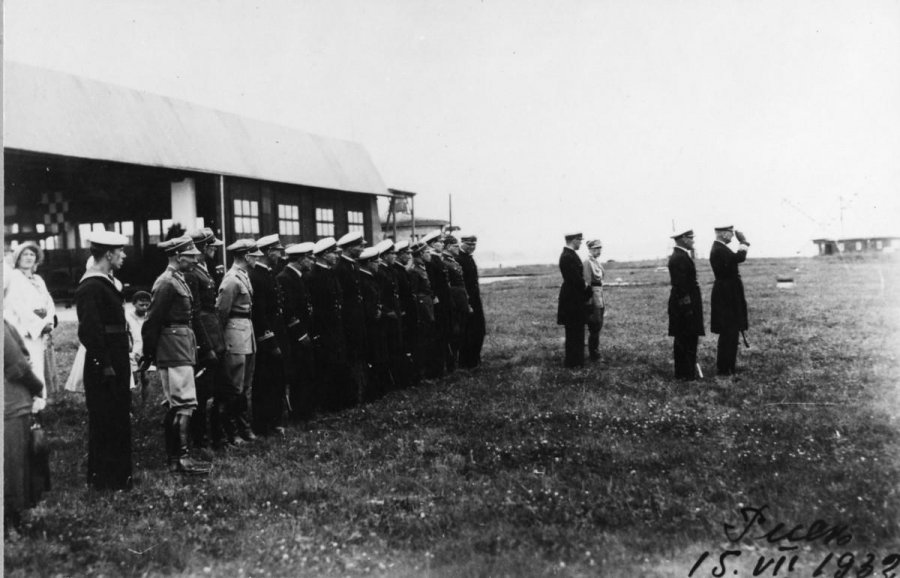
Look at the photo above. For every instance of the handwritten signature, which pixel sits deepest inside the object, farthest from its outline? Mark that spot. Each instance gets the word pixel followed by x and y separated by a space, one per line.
pixel 788 540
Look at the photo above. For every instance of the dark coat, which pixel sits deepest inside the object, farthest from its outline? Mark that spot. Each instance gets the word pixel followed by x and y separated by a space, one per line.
pixel 470 274
pixel 327 321
pixel 373 308
pixel 268 305
pixel 574 293
pixel 728 304
pixel 204 288
pixel 440 285
pixel 298 308
pixel 408 312
pixel 347 273
pixel 685 301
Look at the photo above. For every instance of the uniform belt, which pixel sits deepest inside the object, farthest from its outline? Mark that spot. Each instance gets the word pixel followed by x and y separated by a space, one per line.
pixel 596 283
pixel 239 315
pixel 115 329
pixel 177 325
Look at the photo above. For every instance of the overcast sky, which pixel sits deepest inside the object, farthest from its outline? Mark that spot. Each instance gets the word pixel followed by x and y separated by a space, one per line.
pixel 616 118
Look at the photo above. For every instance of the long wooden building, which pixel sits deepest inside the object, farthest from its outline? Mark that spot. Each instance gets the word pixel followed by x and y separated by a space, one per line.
pixel 81 154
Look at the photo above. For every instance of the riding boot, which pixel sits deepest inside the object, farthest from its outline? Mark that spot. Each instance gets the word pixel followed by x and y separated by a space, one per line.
pixel 171 437
pixel 185 464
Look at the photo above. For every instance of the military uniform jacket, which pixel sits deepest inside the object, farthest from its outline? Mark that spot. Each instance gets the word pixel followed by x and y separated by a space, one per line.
pixel 206 322
pixel 420 286
pixel 405 294
pixel 298 309
pixel 327 320
pixel 268 306
pixel 685 303
pixel 167 332
pixel 440 284
pixel 373 307
pixel 102 328
pixel 574 293
pixel 234 306
pixel 470 275
pixel 728 306
pixel 347 273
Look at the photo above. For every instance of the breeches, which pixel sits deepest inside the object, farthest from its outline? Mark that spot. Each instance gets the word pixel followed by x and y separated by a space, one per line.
pixel 179 388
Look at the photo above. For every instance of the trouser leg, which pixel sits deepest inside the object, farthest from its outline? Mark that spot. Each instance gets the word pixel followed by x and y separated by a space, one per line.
pixel 685 354
pixel 726 352
pixel 574 345
pixel 184 464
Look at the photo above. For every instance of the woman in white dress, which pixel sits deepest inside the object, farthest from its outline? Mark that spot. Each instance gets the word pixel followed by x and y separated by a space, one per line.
pixel 28 305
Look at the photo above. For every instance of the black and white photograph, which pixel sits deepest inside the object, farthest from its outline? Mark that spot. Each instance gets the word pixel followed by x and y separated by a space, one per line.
pixel 469 288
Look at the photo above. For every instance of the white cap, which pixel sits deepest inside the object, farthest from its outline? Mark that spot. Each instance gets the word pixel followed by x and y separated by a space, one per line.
pixel 300 248
pixel 108 239
pixel 352 238
pixel 269 241
pixel 384 246
pixel 401 246
pixel 431 237
pixel 368 253
pixel 323 245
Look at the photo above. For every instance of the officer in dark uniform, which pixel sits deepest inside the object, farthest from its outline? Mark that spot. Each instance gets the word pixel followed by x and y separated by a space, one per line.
pixel 298 311
pixel 573 297
pixel 473 339
pixel 347 271
pixel 436 364
pixel 685 306
pixel 330 350
pixel 459 300
pixel 392 318
pixel 728 305
pixel 408 315
pixel 234 306
pixel 269 380
pixel 379 376
pixel 170 343
pixel 420 286
pixel 210 340
pixel 103 331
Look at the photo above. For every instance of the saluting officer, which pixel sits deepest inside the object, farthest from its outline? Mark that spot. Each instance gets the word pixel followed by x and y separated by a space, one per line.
pixel 473 339
pixel 269 381
pixel 408 314
pixel 685 306
pixel 170 343
pixel 347 271
pixel 298 312
pixel 234 306
pixel 206 327
pixel 440 285
pixel 728 305
pixel 330 349
pixel 103 331
pixel 420 285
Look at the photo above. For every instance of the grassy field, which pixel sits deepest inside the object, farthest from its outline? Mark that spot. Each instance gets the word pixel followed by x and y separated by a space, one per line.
pixel 523 468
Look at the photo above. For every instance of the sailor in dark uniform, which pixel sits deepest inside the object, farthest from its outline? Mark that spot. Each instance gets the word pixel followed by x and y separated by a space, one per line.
pixel 408 313
pixel 685 306
pixel 330 350
pixel 391 279
pixel 379 376
pixel 459 300
pixel 170 343
pixel 269 380
pixel 103 331
pixel 347 272
pixel 298 312
pixel 728 305
pixel 573 297
pixel 420 286
pixel 436 364
pixel 473 339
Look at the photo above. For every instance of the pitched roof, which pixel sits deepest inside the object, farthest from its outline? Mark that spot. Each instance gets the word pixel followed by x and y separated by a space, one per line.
pixel 58 113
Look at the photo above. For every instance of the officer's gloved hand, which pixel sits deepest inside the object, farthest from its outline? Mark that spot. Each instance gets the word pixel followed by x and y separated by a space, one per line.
pixel 145 363
pixel 38 404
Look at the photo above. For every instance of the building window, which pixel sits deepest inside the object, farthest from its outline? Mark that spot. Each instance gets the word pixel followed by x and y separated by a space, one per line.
pixel 355 222
pixel 841 247
pixel 289 220
pixel 157 229
pixel 859 245
pixel 246 217
pixel 879 244
pixel 84 231
pixel 324 223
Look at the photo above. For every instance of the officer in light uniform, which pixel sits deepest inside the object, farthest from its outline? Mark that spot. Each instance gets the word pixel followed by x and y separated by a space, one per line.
pixel 593 277
pixel 169 342
pixel 234 306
